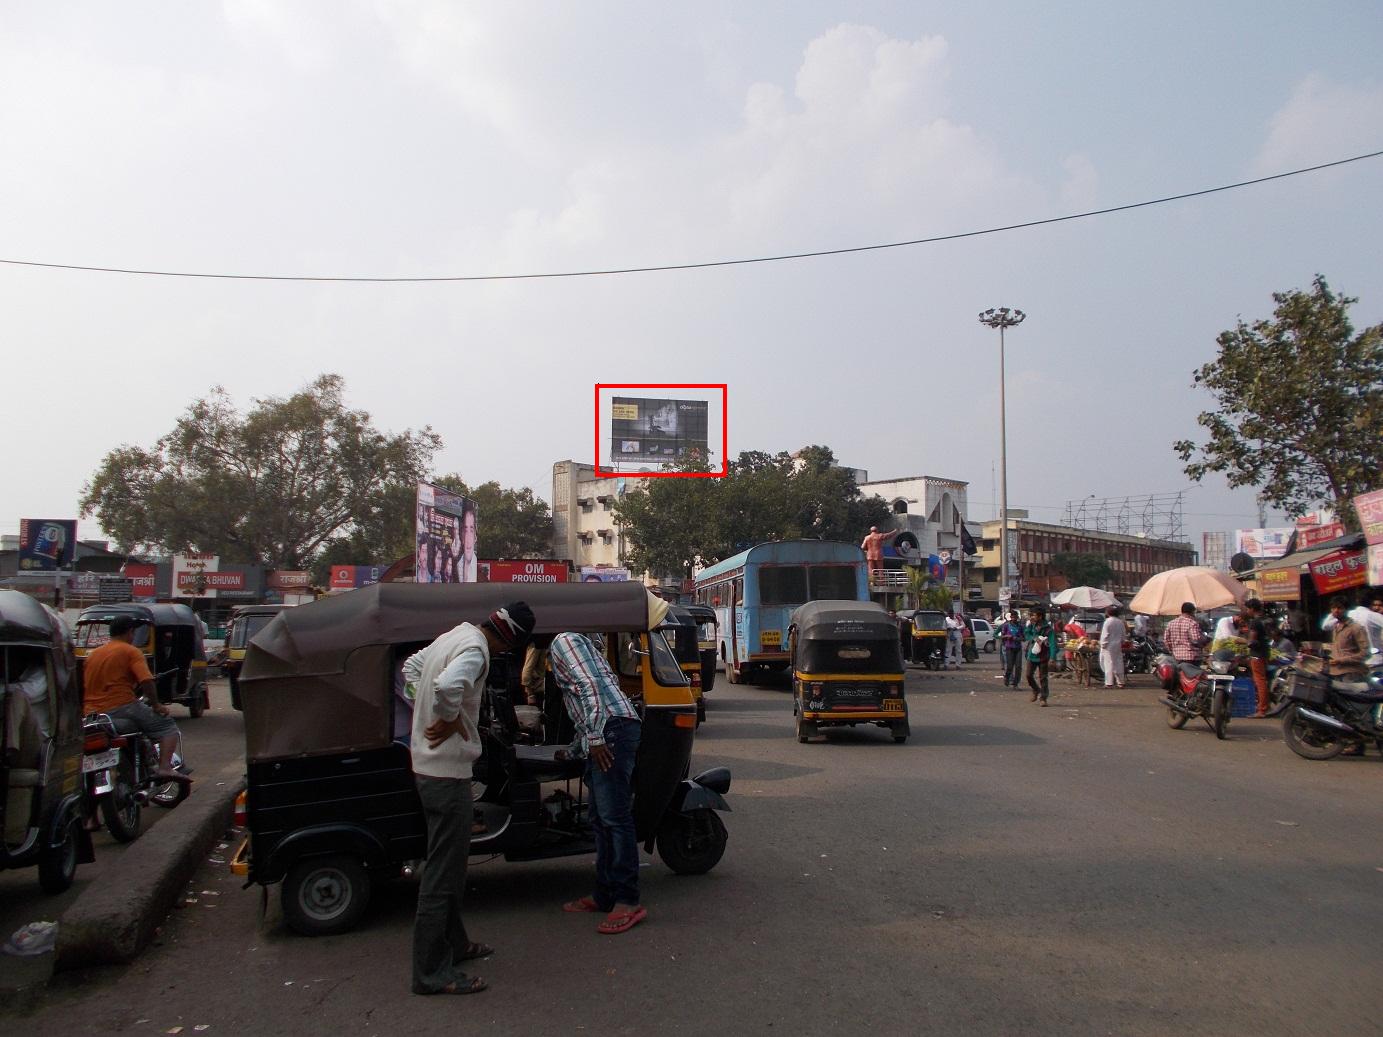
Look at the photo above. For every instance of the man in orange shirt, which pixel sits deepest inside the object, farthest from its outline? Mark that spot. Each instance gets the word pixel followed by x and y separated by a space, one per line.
pixel 115 676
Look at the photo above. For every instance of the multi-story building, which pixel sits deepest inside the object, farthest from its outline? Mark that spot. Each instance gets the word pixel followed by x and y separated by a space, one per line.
pixel 583 519
pixel 1133 559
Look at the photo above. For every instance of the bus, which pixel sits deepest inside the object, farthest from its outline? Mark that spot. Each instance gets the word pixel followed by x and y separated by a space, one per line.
pixel 755 592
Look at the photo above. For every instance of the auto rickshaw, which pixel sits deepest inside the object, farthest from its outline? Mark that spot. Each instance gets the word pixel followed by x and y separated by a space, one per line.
pixel 40 745
pixel 929 638
pixel 330 803
pixel 679 629
pixel 246 621
pixel 170 636
pixel 846 668
pixel 707 629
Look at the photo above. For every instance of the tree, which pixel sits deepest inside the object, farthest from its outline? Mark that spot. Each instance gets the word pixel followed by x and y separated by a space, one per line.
pixel 671 524
pixel 1082 570
pixel 1299 405
pixel 271 486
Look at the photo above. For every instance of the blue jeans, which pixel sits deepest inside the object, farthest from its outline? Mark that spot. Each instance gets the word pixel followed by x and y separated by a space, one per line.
pixel 1013 665
pixel 612 817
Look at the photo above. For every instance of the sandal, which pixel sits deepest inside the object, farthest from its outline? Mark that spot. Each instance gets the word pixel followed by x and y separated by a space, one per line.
pixel 476 950
pixel 621 921
pixel 585 904
pixel 472 986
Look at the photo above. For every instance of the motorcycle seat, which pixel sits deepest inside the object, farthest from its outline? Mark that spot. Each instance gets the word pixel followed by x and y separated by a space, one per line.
pixel 1359 691
pixel 1190 669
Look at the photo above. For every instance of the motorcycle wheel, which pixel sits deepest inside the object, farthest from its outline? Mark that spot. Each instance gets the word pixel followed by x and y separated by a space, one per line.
pixel 170 794
pixel 1176 720
pixel 692 844
pixel 1306 740
pixel 1219 713
pixel 120 811
pixel 1277 693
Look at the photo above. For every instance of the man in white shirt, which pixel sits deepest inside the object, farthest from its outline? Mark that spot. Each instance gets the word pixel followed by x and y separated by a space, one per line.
pixel 955 635
pixel 1112 634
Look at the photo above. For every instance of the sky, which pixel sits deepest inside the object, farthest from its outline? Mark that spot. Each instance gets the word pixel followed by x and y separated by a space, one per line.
pixel 426 138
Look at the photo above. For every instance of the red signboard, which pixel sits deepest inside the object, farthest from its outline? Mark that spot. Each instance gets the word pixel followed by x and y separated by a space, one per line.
pixel 212 580
pixel 1339 571
pixel 143 577
pixel 1310 536
pixel 524 572
pixel 1369 508
pixel 352 577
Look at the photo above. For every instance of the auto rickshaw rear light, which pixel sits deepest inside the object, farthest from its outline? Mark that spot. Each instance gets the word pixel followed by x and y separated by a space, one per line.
pixel 696 680
pixel 241 814
pixel 684 720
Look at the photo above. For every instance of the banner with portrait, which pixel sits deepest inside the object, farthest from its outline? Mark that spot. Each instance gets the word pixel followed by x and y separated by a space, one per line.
pixel 446 537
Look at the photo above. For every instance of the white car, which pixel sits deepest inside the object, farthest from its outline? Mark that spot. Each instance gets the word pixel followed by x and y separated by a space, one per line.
pixel 984 634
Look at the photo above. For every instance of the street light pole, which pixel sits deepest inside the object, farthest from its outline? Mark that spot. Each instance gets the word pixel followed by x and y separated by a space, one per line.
pixel 1003 318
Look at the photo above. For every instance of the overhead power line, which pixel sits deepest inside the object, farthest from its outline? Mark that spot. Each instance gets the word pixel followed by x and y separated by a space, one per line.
pixel 667 267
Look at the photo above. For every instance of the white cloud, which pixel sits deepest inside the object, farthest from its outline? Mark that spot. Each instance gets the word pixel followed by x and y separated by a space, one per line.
pixel 1323 120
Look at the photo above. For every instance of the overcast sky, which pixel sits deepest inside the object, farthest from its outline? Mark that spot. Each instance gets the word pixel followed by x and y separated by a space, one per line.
pixel 430 137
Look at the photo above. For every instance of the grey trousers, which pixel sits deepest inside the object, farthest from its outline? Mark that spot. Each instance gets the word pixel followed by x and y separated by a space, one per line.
pixel 439 934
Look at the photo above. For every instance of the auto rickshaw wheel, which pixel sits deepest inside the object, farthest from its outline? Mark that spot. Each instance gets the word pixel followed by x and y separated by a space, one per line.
pixel 323 896
pixel 805 729
pixel 700 711
pixel 900 731
pixel 692 844
pixel 57 865
pixel 196 705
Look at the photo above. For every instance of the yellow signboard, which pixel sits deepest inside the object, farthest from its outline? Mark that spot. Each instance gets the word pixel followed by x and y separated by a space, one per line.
pixel 770 638
pixel 625 411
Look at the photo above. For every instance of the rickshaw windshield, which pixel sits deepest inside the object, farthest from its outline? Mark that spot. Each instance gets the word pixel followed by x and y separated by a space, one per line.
pixel 94 633
pixel 929 621
pixel 243 628
pixel 684 643
pixel 706 631
pixel 665 668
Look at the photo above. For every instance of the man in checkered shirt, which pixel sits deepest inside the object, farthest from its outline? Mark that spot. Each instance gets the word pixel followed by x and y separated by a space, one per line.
pixel 1184 636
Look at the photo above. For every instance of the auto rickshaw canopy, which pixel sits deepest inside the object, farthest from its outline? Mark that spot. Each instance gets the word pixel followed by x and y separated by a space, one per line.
pixel 845 637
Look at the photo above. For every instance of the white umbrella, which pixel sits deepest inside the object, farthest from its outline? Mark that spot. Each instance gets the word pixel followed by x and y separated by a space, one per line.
pixel 1203 587
pixel 1085 598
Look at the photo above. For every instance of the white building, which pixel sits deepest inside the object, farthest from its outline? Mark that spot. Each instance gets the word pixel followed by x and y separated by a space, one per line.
pixel 583 519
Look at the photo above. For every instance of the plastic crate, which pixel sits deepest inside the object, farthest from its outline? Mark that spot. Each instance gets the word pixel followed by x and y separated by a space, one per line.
pixel 1245 702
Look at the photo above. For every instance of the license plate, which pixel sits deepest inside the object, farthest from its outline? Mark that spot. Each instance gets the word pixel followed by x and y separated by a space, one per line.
pixel 101 761
pixel 772 638
pixel 893 703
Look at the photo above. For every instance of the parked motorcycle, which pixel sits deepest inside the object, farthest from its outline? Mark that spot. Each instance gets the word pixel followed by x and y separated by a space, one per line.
pixel 1139 653
pixel 1327 715
pixel 1193 692
pixel 119 768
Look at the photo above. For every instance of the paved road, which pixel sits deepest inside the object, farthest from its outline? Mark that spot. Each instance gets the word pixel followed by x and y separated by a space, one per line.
pixel 212 741
pixel 1011 869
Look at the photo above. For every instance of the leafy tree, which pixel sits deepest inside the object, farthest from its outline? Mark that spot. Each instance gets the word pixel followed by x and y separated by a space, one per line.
pixel 671 523
pixel 271 486
pixel 1299 405
pixel 1082 570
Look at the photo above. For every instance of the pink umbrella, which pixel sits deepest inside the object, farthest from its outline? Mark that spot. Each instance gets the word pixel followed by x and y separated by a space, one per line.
pixel 1203 587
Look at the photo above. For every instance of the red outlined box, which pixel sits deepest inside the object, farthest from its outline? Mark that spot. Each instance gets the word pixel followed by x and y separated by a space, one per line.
pixel 724 431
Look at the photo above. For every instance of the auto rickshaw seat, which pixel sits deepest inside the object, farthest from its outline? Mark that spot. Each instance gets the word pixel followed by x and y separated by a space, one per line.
pixel 539 763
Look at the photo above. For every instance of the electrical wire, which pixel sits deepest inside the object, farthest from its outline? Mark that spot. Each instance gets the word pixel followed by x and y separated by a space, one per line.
pixel 669 267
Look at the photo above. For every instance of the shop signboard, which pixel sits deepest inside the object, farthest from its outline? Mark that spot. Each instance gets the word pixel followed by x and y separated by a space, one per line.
pixel 46 545
pixel 1280 584
pixel 531 571
pixel 288 580
pixel 190 575
pixel 1375 565
pixel 144 578
pixel 1369 508
pixel 1338 571
pixel 353 577
pixel 114 590
pixel 1310 536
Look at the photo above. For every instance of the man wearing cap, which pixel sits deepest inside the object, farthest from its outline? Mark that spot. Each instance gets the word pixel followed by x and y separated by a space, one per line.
pixel 445 743
pixel 116 681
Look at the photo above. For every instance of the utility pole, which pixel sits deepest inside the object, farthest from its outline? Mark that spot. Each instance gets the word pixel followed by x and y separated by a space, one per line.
pixel 1003 318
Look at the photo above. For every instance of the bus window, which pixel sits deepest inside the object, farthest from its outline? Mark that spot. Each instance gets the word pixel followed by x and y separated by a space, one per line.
pixel 782 585
pixel 833 582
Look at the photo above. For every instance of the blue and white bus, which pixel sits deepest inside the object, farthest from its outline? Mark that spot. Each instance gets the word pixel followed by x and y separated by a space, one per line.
pixel 755 591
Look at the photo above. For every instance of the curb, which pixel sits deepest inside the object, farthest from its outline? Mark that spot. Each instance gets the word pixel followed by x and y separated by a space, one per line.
pixel 111 923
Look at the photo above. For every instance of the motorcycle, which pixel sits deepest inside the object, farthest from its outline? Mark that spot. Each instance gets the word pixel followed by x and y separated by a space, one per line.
pixel 1192 692
pixel 1139 653
pixel 119 770
pixel 1327 715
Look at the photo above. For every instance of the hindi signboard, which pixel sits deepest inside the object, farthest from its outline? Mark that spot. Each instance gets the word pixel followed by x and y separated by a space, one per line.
pixel 1262 543
pixel 114 590
pixel 1339 571
pixel 1369 508
pixel 192 573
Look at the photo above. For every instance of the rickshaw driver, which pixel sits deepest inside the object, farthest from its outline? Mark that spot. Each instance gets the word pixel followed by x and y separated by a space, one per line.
pixel 445 743
pixel 116 680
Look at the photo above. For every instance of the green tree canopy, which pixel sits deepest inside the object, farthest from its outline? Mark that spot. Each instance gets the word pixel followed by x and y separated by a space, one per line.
pixel 271 485
pixel 1299 405
pixel 1082 570
pixel 673 524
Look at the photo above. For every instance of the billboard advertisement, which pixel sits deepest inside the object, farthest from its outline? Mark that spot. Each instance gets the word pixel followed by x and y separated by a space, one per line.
pixel 353 577
pixel 192 575
pixel 46 545
pixel 1262 543
pixel 657 430
pixel 446 535
pixel 603 574
pixel 524 572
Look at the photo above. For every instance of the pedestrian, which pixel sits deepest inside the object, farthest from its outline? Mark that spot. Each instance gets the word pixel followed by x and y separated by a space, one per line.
pixel 1260 646
pixel 607 735
pixel 1140 625
pixel 1184 637
pixel 1011 646
pixel 1112 634
pixel 1229 628
pixel 445 743
pixel 955 636
pixel 1038 638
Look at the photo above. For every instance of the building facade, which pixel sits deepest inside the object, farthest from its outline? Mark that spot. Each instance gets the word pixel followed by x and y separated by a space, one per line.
pixel 933 509
pixel 1032 544
pixel 583 520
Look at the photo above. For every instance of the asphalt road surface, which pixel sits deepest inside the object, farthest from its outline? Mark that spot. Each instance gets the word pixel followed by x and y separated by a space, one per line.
pixel 1009 870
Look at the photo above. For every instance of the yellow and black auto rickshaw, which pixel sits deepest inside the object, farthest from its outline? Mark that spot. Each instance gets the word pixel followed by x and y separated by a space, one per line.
pixel 680 630
pixel 331 808
pixel 707 630
pixel 246 621
pixel 169 635
pixel 40 745
pixel 928 638
pixel 846 668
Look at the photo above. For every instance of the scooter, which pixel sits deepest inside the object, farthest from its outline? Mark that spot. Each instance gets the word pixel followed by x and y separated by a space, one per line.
pixel 1324 716
pixel 1192 692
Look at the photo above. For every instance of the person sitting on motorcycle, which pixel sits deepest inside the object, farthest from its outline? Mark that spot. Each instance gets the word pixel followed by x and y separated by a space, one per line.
pixel 1349 643
pixel 116 680
pixel 1184 636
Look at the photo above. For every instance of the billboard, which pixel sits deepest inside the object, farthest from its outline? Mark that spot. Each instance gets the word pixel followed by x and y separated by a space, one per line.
pixel 603 574
pixel 446 535
pixel 523 572
pixel 657 430
pixel 193 574
pixel 46 545
pixel 1262 543
pixel 144 577
pixel 353 577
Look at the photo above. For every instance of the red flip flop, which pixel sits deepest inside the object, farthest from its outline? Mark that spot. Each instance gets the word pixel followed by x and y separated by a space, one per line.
pixel 621 921
pixel 585 904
